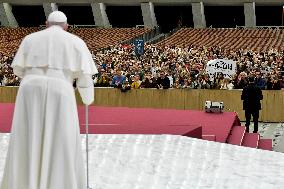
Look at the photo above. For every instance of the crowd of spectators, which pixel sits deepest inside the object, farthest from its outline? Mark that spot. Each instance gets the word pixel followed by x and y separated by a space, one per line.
pixel 184 67
pixel 176 67
pixel 7 77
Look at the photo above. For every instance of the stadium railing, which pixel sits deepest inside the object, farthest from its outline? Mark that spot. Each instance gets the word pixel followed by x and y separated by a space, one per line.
pixel 194 99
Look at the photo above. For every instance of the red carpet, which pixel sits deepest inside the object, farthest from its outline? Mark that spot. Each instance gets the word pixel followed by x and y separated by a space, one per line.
pixel 110 120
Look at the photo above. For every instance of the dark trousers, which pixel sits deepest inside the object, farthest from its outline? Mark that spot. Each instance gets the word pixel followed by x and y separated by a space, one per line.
pixel 255 115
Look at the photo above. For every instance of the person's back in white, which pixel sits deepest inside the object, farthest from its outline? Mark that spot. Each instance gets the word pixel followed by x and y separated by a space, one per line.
pixel 45 145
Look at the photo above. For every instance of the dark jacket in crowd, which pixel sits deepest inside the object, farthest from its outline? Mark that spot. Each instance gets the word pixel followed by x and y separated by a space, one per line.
pixel 261 83
pixel 240 84
pixel 251 97
pixel 1 79
pixel 165 82
pixel 272 85
pixel 147 84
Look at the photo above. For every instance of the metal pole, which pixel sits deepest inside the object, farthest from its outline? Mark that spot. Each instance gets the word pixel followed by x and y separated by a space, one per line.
pixel 87 144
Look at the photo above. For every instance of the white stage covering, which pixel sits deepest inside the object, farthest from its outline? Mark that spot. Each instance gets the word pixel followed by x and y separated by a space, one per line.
pixel 175 162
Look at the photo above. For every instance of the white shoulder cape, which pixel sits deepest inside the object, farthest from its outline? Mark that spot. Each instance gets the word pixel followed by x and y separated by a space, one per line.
pixel 54 48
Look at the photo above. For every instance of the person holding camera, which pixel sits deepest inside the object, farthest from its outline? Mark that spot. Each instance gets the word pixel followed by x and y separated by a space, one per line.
pixel 241 80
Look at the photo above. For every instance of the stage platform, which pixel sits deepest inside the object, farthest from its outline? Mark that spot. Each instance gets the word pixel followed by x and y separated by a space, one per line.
pixel 121 158
pixel 113 120
pixel 174 162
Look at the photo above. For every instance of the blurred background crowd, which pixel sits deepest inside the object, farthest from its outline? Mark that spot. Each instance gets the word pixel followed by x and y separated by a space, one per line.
pixel 166 67
pixel 184 67
pixel 7 77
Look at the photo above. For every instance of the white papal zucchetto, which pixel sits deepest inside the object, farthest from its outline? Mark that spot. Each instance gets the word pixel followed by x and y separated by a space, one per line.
pixel 57 16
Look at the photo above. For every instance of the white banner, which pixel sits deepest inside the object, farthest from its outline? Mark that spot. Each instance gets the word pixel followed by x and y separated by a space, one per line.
pixel 227 67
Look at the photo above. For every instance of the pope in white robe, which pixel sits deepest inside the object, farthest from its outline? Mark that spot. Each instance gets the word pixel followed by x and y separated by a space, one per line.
pixel 45 146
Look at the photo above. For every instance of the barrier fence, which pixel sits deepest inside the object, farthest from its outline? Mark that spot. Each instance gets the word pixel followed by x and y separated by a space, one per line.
pixel 272 103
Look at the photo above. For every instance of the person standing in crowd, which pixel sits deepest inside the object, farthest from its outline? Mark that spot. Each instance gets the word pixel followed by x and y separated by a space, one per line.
pixel 198 82
pixel 227 84
pixel 251 96
pixel 281 82
pixel 103 79
pixel 188 84
pixel 118 80
pixel 241 81
pixel 206 83
pixel 1 75
pixel 45 145
pixel 273 83
pixel 148 81
pixel 218 80
pixel 259 81
pixel 136 83
pixel 125 86
pixel 163 82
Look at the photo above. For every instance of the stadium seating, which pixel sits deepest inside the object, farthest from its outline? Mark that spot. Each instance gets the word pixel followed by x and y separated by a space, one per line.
pixel 10 39
pixel 253 39
pixel 96 38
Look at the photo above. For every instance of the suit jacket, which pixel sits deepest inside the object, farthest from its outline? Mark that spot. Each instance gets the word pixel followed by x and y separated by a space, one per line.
pixel 251 97
pixel 164 82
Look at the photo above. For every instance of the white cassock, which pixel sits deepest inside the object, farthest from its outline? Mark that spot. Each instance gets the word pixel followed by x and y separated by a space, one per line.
pixel 45 145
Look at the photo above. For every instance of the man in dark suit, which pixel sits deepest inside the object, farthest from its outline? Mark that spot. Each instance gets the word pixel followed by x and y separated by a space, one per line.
pixel 163 82
pixel 251 97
